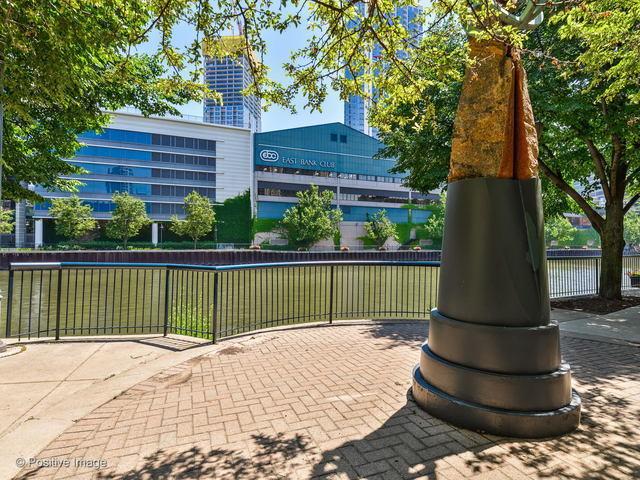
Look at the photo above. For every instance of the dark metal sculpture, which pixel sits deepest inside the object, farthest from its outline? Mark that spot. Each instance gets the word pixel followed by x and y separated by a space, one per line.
pixel 492 361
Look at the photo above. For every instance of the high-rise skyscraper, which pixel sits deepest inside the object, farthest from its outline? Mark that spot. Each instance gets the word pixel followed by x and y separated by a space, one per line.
pixel 356 108
pixel 228 72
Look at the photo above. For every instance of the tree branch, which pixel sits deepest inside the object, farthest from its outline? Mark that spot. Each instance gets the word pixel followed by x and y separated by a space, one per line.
pixel 599 162
pixel 556 178
pixel 632 175
pixel 155 21
pixel 632 201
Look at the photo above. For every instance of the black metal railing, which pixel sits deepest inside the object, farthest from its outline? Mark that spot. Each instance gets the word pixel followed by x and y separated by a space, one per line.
pixel 212 302
pixel 71 299
pixel 580 275
pixel 573 276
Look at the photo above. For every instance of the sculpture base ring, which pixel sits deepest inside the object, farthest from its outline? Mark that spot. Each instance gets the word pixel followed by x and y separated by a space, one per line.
pixel 495 421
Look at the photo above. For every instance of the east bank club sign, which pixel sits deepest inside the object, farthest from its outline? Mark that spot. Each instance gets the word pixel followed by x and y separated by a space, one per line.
pixel 272 156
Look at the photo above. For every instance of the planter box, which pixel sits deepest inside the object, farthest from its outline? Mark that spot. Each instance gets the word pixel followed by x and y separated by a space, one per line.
pixel 635 281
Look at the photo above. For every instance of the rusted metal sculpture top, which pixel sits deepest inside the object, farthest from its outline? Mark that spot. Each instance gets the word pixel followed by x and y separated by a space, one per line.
pixel 494 131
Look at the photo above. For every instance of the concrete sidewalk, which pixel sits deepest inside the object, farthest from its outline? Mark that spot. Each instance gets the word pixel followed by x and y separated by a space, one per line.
pixel 47 387
pixel 622 326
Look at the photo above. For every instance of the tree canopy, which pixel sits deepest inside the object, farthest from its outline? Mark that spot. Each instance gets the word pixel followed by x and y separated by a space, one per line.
pixel 63 63
pixel 311 219
pixel 6 221
pixel 128 218
pixel 73 218
pixel 379 228
pixel 199 218
pixel 434 227
pixel 558 230
pixel 609 31
pixel 632 229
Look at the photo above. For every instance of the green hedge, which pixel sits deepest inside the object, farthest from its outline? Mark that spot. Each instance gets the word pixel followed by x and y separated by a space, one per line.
pixel 585 235
pixel 235 224
pixel 581 239
pixel 264 225
pixel 111 245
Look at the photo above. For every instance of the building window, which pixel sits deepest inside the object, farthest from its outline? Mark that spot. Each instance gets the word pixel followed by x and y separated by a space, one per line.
pixel 183 142
pixel 326 173
pixel 348 176
pixel 334 137
pixel 283 190
pixel 380 198
pixel 295 171
pixel 370 178
pixel 343 139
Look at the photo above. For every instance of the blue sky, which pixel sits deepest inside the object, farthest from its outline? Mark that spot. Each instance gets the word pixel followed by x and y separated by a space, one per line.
pixel 279 49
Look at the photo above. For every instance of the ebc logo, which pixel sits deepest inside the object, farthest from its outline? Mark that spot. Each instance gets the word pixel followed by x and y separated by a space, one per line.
pixel 269 155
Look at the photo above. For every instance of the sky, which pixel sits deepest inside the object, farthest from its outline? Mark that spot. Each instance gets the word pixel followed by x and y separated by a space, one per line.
pixel 278 51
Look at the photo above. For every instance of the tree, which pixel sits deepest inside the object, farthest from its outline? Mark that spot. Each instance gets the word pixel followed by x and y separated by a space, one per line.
pixel 587 110
pixel 312 219
pixel 434 227
pixel 559 229
pixel 588 134
pixel 73 218
pixel 6 221
pixel 199 218
pixel 632 229
pixel 63 63
pixel 379 228
pixel 128 218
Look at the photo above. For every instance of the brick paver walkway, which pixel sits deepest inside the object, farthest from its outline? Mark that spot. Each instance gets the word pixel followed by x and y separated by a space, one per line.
pixel 332 401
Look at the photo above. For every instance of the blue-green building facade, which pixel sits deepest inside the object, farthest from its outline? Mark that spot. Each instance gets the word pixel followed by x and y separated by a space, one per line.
pixel 337 158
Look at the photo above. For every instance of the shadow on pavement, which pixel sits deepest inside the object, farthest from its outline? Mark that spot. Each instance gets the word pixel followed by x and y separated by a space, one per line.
pixel 264 462
pixel 399 334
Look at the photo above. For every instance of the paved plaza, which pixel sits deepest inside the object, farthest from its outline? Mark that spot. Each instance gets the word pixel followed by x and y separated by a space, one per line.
pixel 334 402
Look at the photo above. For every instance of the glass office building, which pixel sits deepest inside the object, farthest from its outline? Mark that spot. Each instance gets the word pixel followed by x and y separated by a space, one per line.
pixel 356 107
pixel 159 160
pixel 337 158
pixel 229 75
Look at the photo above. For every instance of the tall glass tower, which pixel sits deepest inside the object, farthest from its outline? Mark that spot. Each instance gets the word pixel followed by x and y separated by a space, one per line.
pixel 228 72
pixel 356 108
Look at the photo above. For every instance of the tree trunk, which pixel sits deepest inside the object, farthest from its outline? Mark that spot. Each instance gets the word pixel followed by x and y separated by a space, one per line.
pixel 612 238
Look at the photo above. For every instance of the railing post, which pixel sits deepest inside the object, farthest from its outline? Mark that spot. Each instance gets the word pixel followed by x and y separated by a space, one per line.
pixel 597 278
pixel 58 300
pixel 9 304
pixel 331 295
pixel 166 301
pixel 214 320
